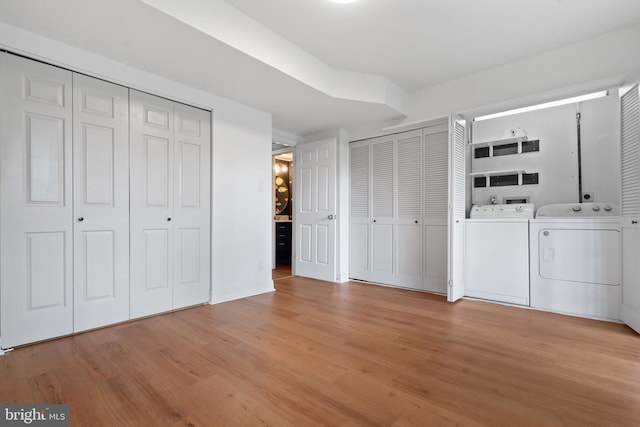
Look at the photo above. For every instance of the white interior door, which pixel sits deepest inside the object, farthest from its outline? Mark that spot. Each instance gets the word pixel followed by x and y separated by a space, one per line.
pixel 630 208
pixel 409 206
pixel 101 202
pixel 151 185
pixel 457 209
pixel 192 129
pixel 315 210
pixel 35 201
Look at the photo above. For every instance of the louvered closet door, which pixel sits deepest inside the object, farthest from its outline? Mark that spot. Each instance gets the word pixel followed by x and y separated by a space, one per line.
pixel 409 210
pixel 191 203
pixel 360 222
pixel 436 171
pixel 152 177
pixel 35 201
pixel 382 211
pixel 630 209
pixel 101 203
pixel 457 207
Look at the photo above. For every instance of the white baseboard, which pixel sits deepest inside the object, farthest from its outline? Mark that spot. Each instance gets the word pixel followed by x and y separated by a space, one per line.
pixel 231 293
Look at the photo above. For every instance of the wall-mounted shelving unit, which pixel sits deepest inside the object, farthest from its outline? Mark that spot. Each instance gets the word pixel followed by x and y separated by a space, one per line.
pixel 501 147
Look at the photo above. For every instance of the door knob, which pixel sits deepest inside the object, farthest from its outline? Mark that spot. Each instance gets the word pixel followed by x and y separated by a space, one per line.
pixel 331 217
pixel 80 219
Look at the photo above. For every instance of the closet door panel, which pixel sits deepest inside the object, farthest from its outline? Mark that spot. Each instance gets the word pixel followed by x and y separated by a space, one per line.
pixel 101 203
pixel 360 220
pixel 436 172
pixel 35 201
pixel 151 185
pixel 409 205
pixel 192 206
pixel 383 206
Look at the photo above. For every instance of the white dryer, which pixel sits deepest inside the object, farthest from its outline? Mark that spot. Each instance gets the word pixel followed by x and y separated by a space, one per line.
pixel 575 259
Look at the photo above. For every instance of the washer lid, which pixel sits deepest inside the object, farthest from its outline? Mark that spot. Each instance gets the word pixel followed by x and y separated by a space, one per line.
pixel 515 210
pixel 578 210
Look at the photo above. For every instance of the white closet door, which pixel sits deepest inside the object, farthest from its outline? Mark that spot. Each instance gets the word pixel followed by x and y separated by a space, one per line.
pixel 436 169
pixel 101 202
pixel 360 222
pixel 382 203
pixel 630 209
pixel 457 209
pixel 35 201
pixel 409 214
pixel 191 211
pixel 151 227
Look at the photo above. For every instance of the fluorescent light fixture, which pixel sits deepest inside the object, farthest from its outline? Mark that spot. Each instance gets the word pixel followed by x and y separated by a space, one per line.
pixel 543 106
pixel 342 1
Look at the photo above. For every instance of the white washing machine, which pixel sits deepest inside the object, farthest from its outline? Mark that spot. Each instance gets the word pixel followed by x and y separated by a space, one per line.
pixel 497 253
pixel 575 259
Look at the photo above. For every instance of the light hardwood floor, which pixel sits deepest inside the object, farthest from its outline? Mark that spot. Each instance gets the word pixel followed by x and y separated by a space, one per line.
pixel 316 353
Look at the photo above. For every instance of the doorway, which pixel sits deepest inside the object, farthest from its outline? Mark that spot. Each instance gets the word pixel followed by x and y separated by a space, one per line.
pixel 282 210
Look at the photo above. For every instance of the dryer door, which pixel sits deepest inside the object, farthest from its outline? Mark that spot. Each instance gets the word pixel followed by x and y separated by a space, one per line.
pixel 580 255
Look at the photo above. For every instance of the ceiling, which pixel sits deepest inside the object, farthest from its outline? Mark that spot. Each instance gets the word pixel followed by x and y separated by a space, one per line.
pixel 313 64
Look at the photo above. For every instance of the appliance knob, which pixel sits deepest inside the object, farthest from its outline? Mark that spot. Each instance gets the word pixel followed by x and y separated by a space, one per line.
pixel 596 208
pixel 576 208
pixel 607 208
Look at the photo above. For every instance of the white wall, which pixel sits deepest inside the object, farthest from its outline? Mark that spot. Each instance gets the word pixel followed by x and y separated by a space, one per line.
pixel 557 161
pixel 597 63
pixel 241 159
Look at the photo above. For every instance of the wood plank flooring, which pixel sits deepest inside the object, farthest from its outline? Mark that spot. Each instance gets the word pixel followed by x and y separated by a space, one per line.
pixel 316 353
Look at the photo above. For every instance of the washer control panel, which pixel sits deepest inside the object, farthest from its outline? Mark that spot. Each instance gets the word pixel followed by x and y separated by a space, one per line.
pixel 578 210
pixel 515 210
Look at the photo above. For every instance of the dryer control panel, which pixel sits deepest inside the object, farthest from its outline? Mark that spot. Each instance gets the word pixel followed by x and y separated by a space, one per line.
pixel 578 210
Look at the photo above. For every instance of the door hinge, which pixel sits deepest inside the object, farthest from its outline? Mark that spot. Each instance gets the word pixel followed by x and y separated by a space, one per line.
pixel 450 283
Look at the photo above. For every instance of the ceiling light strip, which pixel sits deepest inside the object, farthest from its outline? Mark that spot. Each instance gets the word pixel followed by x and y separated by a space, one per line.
pixel 565 101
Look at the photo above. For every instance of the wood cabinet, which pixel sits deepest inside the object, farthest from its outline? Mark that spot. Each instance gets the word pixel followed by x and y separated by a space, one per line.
pixel 283 243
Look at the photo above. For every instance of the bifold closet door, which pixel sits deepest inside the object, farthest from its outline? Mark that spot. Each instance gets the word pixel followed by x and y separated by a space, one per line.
pixel 191 205
pixel 35 201
pixel 360 219
pixel 170 169
pixel 383 200
pixel 151 186
pixel 101 202
pixel 409 210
